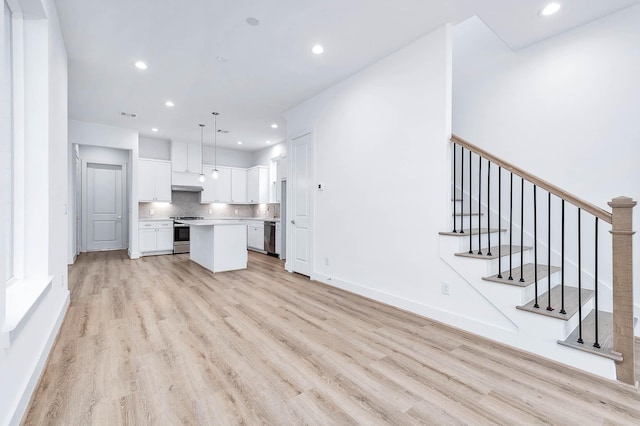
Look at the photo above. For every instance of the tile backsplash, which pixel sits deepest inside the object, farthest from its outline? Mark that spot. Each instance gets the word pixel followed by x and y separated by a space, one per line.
pixel 188 204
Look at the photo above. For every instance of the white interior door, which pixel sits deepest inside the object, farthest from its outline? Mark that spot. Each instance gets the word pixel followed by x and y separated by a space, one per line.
pixel 104 207
pixel 77 188
pixel 300 253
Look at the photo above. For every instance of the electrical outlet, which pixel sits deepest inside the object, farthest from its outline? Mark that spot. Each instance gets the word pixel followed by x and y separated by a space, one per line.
pixel 152 212
pixel 236 211
pixel 210 211
pixel 445 289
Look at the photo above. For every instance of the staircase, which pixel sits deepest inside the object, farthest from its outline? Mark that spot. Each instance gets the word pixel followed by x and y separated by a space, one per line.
pixel 535 252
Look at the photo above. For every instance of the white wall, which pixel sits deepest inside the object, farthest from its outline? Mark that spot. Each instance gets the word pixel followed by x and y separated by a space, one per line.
pixel 263 157
pixel 157 149
pixel 381 147
pixel 99 154
pixel 565 109
pixel 228 157
pixel 44 99
pixel 100 135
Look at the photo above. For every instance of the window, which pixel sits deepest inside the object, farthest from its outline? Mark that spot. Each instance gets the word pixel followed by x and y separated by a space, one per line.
pixel 6 199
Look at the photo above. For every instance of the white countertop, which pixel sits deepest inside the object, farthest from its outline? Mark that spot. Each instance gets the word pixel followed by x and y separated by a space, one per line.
pixel 261 219
pixel 212 222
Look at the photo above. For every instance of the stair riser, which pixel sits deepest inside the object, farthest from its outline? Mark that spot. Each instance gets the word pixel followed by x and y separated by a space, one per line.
pixel 543 285
pixel 494 266
pixel 484 241
pixel 466 220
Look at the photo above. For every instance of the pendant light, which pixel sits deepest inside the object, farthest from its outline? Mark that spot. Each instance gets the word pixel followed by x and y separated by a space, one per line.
pixel 201 151
pixel 214 172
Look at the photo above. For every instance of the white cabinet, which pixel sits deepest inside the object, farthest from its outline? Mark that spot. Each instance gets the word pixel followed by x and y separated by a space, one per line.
pixel 238 185
pixel 255 235
pixel 155 237
pixel 216 190
pixel 281 175
pixel 154 180
pixel 186 179
pixel 258 185
pixel 186 157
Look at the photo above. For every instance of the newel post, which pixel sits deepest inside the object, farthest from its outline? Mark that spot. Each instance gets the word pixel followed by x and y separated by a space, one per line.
pixel 622 248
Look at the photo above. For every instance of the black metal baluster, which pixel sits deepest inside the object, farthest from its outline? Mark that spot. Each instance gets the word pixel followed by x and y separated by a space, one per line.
pixel 596 344
pixel 462 190
pixel 522 230
pixel 454 188
pixel 489 208
pixel 479 204
pixel 470 207
pixel 535 244
pixel 511 230
pixel 499 221
pixel 549 308
pixel 562 310
pixel 579 284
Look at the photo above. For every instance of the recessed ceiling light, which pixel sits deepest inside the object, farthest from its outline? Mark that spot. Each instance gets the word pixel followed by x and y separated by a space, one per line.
pixel 239 142
pixel 169 104
pixel 274 126
pixel 153 129
pixel 550 9
pixel 317 49
pixel 267 142
pixel 141 65
pixel 253 22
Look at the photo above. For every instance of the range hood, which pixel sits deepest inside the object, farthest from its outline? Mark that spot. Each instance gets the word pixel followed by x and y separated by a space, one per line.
pixel 186 188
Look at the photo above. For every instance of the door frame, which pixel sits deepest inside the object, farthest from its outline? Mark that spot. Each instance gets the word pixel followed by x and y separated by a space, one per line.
pixel 290 203
pixel 84 197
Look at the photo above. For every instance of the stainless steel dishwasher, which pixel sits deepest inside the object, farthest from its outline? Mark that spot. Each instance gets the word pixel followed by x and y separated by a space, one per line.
pixel 270 237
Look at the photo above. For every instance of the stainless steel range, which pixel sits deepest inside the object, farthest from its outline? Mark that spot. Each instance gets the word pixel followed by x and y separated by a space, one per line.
pixel 181 242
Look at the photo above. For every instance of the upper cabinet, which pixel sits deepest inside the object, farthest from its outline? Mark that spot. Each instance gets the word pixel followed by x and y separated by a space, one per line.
pixel 216 190
pixel 154 180
pixel 258 184
pixel 238 185
pixel 186 157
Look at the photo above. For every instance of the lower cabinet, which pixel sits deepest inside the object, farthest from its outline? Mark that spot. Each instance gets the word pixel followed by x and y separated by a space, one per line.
pixel 255 235
pixel 155 237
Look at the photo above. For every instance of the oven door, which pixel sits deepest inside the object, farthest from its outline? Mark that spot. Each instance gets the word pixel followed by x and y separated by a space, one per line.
pixel 180 233
pixel 181 238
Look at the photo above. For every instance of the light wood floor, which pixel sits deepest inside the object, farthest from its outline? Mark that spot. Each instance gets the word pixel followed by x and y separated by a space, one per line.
pixel 162 341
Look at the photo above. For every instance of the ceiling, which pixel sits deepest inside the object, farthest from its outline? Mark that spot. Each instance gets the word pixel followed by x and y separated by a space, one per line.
pixel 266 69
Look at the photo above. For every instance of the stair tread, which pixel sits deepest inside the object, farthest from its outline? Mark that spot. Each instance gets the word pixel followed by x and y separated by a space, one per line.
pixel 474 231
pixel 468 214
pixel 605 335
pixel 528 275
pixel 494 252
pixel 570 302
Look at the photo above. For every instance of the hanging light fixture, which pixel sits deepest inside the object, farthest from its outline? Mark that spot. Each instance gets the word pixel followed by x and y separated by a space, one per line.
pixel 201 151
pixel 214 172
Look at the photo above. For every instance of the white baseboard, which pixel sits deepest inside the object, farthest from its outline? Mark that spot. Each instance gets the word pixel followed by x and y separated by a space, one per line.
pixel 474 325
pixel 25 399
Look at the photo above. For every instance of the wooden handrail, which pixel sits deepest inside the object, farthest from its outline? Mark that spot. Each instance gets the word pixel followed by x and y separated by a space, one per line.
pixel 578 202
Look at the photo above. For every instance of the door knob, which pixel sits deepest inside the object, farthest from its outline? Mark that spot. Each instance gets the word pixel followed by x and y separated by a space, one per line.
pixel 293 222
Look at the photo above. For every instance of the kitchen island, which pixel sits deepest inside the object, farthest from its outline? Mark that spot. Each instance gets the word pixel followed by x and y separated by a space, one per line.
pixel 218 245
